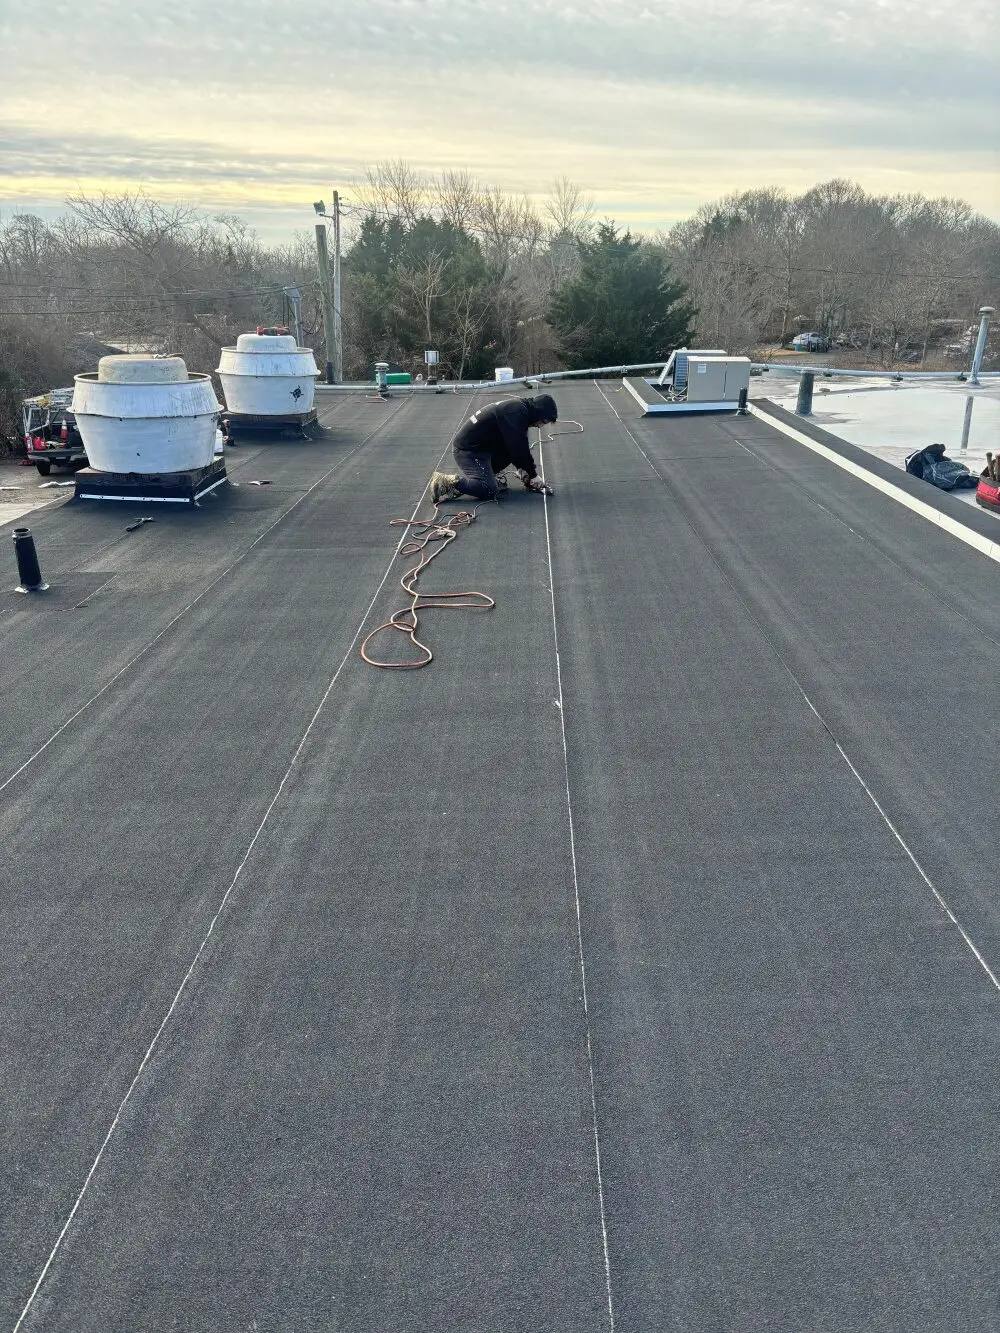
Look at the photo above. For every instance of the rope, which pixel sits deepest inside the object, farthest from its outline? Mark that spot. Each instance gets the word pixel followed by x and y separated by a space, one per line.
pixel 543 439
pixel 440 534
pixel 429 530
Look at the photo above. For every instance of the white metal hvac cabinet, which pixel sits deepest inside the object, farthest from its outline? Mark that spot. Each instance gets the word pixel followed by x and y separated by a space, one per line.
pixel 717 379
pixel 712 382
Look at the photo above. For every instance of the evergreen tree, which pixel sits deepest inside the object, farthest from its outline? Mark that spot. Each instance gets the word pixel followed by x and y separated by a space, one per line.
pixel 422 284
pixel 623 307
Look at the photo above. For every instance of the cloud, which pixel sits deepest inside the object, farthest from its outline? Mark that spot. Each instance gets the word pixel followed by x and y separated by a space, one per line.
pixel 882 50
pixel 130 158
pixel 648 104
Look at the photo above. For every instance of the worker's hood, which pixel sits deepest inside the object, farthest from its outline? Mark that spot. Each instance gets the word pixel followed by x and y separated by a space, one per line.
pixel 542 407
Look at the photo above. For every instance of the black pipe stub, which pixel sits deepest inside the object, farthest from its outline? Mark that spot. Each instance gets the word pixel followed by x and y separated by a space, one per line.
pixel 804 402
pixel 29 571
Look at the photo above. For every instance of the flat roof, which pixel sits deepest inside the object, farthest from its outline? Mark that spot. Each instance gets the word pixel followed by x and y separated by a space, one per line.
pixel 638 955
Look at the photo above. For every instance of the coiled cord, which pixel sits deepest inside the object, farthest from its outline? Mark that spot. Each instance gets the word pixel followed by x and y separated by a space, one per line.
pixel 436 533
pixel 439 533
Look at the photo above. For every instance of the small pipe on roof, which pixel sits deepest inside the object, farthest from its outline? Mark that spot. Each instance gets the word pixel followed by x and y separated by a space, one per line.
pixel 984 327
pixel 804 401
pixel 29 571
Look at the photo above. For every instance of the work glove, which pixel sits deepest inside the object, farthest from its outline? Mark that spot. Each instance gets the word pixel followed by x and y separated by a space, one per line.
pixel 535 483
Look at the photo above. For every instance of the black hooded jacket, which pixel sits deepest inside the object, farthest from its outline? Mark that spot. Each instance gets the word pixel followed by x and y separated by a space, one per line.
pixel 500 431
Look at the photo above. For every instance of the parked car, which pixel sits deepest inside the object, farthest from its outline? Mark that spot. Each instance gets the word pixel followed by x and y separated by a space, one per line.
pixel 51 435
pixel 810 342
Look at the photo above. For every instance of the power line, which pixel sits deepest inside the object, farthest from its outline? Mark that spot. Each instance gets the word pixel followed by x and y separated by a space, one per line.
pixel 799 270
pixel 131 306
pixel 49 289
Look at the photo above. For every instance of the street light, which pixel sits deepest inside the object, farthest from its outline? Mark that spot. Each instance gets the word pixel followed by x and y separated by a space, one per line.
pixel 320 208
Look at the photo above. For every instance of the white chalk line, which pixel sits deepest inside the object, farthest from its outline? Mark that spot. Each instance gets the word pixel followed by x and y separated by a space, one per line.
pixel 212 924
pixel 180 614
pixel 579 924
pixel 826 726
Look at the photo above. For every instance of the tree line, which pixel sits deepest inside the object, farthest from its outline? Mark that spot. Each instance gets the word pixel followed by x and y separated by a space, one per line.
pixel 898 278
pixel 487 278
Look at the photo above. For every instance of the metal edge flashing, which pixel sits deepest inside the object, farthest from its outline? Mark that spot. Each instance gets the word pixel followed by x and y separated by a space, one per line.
pixel 142 499
pixel 219 481
pixel 655 405
pixel 973 528
pixel 686 409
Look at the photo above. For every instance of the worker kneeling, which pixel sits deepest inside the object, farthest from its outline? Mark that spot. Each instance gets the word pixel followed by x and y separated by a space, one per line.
pixel 494 438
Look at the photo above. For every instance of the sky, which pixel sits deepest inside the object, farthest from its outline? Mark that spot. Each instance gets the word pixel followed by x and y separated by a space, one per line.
pixel 651 107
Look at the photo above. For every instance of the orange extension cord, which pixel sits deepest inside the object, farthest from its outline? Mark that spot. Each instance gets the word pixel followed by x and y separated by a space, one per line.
pixel 430 530
pixel 443 532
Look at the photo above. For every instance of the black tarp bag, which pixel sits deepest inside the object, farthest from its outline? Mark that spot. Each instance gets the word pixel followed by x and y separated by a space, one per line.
pixel 931 465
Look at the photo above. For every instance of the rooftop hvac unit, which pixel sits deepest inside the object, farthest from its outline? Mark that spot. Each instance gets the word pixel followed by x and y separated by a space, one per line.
pixel 146 414
pixel 675 372
pixel 716 379
pixel 267 375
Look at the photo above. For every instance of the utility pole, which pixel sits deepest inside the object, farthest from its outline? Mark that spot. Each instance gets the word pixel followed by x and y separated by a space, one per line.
pixel 290 297
pixel 324 291
pixel 338 328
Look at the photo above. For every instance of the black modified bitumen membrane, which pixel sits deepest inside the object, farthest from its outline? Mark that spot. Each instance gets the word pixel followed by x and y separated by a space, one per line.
pixel 292 1016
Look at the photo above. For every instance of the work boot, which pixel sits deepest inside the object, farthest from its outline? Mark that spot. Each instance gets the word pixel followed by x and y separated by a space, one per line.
pixel 444 486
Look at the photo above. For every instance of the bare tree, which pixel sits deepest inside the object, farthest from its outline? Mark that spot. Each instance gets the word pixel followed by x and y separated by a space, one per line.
pixel 467 323
pixel 422 283
pixel 871 271
pixel 721 255
pixel 570 211
pixel 394 189
pixel 455 195
pixel 505 225
pixel 132 218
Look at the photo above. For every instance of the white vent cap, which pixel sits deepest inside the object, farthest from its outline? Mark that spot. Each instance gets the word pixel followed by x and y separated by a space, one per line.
pixel 265 342
pixel 141 370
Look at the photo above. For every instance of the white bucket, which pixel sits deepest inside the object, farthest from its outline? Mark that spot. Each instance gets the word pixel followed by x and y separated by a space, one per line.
pixel 504 374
